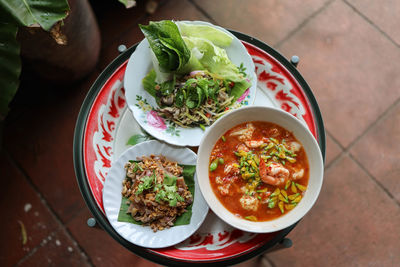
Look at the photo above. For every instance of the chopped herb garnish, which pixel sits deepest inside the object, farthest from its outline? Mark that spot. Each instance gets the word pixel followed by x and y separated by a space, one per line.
pixel 251 218
pixel 138 165
pixel 242 70
pixel 147 182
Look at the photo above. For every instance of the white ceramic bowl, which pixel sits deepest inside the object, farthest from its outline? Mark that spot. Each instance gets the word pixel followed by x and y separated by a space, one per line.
pixel 287 121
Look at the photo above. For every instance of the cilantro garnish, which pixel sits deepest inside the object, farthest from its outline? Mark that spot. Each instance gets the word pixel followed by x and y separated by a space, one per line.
pixel 165 192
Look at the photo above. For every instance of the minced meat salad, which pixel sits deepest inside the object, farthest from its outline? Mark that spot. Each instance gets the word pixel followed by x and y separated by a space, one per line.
pixel 156 191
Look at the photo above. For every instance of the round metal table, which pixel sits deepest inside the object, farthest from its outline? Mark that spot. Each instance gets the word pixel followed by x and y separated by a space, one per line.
pixel 312 117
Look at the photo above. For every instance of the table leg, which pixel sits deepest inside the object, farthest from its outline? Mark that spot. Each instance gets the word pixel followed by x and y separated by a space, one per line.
pixel 284 243
pixel 295 60
pixel 91 222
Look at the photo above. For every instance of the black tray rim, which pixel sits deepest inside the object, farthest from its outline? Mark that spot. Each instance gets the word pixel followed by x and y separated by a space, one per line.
pixel 101 219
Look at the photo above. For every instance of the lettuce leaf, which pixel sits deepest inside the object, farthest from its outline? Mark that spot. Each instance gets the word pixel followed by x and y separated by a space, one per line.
pixel 216 61
pixel 216 36
pixel 189 48
pixel 149 82
pixel 166 42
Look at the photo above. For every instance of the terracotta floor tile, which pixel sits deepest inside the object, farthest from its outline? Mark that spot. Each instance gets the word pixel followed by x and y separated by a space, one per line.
pixel 114 19
pixel 177 10
pixel 332 150
pixel 384 14
pixel 254 262
pixel 20 203
pixel 351 67
pixel 172 9
pixel 269 21
pixel 101 248
pixel 110 52
pixel 57 250
pixel 354 223
pixel 41 141
pixel 378 151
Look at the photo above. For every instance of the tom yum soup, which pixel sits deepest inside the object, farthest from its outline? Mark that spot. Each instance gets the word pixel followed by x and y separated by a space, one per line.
pixel 259 171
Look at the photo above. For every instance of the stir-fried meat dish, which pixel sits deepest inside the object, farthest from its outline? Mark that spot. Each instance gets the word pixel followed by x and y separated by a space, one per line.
pixel 156 191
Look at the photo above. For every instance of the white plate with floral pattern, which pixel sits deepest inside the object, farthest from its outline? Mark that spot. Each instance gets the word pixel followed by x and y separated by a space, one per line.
pixel 142 104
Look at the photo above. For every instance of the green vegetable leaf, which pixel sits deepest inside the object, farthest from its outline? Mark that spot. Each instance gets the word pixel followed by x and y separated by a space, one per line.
pixel 147 183
pixel 216 61
pixel 212 34
pixel 203 85
pixel 138 138
pixel 149 82
pixel 179 99
pixel 167 87
pixel 170 180
pixel 242 70
pixel 167 44
pixel 173 202
pixel 169 189
pixel 239 88
pixel 123 216
pixel 188 175
pixel 161 195
pixel 191 102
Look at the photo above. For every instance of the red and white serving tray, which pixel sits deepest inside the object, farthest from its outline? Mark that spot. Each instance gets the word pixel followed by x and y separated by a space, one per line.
pixel 110 124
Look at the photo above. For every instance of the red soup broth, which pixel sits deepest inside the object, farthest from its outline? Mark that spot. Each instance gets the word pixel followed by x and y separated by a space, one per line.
pixel 255 190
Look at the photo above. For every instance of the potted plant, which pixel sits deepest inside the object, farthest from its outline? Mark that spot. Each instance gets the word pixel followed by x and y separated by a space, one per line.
pixel 58 40
pixel 13 15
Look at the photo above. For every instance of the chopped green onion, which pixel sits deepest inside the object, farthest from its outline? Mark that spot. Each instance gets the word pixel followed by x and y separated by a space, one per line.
pixel 274 140
pixel 251 218
pixel 271 204
pixel 140 168
pixel 214 165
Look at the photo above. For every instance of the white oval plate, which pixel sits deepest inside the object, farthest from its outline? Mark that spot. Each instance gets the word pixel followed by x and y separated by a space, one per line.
pixel 142 103
pixel 143 235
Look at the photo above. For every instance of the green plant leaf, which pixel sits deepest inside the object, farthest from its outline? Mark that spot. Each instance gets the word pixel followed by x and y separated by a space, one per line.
pixel 28 12
pixel 14 13
pixel 10 65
